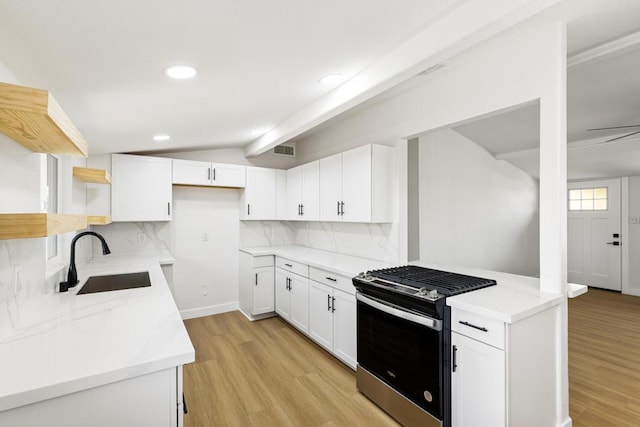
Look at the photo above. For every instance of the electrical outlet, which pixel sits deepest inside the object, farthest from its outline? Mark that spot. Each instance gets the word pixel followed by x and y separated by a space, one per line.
pixel 205 237
pixel 17 280
pixel 141 238
pixel 204 290
pixel 634 220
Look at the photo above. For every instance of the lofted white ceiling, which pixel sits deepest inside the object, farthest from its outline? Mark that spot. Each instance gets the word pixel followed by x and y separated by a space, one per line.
pixel 258 61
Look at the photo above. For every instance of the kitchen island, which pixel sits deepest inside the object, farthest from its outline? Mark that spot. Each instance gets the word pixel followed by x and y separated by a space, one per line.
pixel 109 358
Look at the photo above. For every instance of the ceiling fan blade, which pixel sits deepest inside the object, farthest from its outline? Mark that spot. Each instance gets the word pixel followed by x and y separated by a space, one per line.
pixel 615 127
pixel 623 136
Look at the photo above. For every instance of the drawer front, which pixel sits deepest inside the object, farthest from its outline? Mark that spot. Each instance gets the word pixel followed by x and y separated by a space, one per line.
pixel 489 331
pixel 293 266
pixel 262 261
pixel 334 280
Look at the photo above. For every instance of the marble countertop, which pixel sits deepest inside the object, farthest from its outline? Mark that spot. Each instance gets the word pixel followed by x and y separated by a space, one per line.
pixel 513 298
pixel 64 343
pixel 345 265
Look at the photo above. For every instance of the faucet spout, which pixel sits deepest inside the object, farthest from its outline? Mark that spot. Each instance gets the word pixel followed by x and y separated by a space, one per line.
pixel 72 274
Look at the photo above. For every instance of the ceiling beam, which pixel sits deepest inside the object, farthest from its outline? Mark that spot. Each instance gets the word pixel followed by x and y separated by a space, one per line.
pixel 466 24
pixel 616 46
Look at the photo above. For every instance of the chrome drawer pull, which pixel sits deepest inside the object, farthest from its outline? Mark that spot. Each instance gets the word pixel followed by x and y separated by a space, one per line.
pixel 331 278
pixel 480 328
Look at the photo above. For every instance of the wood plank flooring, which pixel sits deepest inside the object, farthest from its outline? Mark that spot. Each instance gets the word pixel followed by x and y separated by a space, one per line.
pixel 265 373
pixel 604 359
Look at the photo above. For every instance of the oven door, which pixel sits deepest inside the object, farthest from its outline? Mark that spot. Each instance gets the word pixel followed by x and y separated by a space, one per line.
pixel 404 349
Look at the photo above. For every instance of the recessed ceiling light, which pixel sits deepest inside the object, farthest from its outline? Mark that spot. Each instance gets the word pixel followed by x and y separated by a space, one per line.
pixel 331 79
pixel 161 138
pixel 181 72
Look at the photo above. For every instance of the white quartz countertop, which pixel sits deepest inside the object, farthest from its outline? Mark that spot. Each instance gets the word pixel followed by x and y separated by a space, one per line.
pixel 63 343
pixel 345 265
pixel 513 298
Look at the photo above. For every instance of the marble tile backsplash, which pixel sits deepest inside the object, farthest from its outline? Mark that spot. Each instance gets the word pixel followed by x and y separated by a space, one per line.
pixel 140 238
pixel 373 241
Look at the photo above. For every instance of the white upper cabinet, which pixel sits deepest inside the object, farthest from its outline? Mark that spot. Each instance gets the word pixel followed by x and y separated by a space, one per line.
pixel 303 192
pixel 190 172
pixel 259 200
pixel 357 185
pixel 140 188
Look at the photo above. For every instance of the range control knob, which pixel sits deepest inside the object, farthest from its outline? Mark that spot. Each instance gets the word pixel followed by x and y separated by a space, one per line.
pixel 422 292
pixel 433 294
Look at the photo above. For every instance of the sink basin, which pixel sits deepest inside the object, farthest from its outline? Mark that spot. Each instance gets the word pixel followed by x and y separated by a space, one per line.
pixel 115 282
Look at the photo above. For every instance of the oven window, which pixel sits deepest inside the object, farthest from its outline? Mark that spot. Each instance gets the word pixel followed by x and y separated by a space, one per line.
pixel 405 355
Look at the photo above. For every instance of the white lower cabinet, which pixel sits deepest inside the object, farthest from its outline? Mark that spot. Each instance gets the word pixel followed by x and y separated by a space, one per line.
pixel 153 399
pixel 292 298
pixel 256 276
pixel 332 321
pixel 477 383
pixel 500 371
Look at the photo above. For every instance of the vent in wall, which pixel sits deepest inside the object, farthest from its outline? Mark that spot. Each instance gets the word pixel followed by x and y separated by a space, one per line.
pixel 284 150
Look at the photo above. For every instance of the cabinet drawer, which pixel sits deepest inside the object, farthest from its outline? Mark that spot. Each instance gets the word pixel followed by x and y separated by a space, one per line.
pixel 263 261
pixel 332 279
pixel 489 331
pixel 293 266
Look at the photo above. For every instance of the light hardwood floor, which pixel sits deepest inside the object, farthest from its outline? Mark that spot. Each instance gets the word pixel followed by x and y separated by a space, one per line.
pixel 604 359
pixel 266 374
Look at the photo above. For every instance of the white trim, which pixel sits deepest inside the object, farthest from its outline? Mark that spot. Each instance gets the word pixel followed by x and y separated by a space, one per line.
pixel 257 317
pixel 616 46
pixel 624 233
pixel 566 423
pixel 210 310
pixel 632 291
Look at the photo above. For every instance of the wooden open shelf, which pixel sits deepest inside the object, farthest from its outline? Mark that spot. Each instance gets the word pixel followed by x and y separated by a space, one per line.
pixel 98 219
pixel 33 118
pixel 32 225
pixel 94 176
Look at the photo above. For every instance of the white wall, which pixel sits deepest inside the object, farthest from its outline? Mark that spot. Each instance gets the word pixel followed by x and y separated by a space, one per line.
pixel 234 156
pixel 633 240
pixel 475 210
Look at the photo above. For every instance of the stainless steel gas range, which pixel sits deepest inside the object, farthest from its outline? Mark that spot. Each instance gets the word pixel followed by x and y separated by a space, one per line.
pixel 404 340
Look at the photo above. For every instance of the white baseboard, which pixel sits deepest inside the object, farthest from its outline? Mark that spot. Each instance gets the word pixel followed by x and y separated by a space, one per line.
pixel 257 317
pixel 192 313
pixel 631 291
pixel 566 423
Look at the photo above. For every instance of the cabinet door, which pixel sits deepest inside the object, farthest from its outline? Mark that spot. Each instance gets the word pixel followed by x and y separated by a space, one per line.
pixel 259 198
pixel 294 193
pixel 299 290
pixel 263 291
pixel 356 184
pixel 330 188
pixel 283 296
pixel 190 172
pixel 320 314
pixel 477 384
pixel 223 175
pixel 140 188
pixel 311 191
pixel 344 327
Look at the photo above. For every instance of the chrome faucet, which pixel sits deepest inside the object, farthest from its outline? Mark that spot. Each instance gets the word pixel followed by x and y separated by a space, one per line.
pixel 72 275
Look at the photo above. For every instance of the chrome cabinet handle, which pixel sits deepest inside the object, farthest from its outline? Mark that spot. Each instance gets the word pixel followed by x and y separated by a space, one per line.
pixel 331 278
pixel 214 174
pixel 471 325
pixel 289 265
pixel 208 173
pixel 338 203
pixel 168 208
pixel 613 243
pixel 248 209
pixel 256 279
pixel 333 304
pixel 342 208
pixel 328 302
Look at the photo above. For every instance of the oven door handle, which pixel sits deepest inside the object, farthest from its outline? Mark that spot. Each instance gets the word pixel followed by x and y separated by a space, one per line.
pixel 396 311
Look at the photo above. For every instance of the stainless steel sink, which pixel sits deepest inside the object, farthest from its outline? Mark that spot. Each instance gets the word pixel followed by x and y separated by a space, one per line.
pixel 115 282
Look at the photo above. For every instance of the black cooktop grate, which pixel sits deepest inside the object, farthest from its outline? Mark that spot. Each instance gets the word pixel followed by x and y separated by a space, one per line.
pixel 445 282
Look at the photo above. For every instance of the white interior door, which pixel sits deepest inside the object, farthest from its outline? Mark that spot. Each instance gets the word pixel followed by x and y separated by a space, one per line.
pixel 594 239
